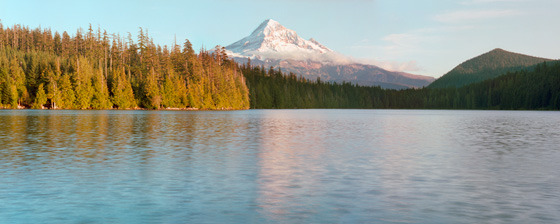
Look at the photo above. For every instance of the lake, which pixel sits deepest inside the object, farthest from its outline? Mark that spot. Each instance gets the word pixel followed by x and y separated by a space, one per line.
pixel 279 166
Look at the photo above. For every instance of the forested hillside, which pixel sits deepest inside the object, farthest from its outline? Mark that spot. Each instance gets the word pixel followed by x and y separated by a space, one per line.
pixel 486 66
pixel 538 88
pixel 95 70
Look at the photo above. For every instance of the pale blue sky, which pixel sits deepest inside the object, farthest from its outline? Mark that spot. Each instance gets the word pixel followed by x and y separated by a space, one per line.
pixel 421 37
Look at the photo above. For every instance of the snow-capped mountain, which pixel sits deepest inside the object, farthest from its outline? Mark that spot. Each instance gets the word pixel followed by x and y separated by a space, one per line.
pixel 273 41
pixel 272 44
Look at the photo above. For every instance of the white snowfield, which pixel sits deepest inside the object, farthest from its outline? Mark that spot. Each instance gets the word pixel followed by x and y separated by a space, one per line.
pixel 271 40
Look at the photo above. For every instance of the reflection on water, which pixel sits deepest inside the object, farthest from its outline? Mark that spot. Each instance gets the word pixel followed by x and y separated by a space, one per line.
pixel 279 166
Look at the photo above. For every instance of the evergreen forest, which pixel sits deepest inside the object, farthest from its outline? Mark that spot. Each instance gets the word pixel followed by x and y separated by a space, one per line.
pixel 537 88
pixel 95 70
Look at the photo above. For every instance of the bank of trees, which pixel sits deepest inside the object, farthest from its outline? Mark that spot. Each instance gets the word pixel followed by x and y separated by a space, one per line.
pixel 270 88
pixel 95 70
pixel 536 88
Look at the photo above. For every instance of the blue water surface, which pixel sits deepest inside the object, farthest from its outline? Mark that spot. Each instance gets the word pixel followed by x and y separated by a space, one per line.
pixel 279 166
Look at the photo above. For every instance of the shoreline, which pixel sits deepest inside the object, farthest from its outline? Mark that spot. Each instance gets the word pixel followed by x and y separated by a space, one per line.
pixel 162 109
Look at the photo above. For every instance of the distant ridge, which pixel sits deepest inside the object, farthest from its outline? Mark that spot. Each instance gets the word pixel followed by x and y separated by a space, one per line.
pixel 486 66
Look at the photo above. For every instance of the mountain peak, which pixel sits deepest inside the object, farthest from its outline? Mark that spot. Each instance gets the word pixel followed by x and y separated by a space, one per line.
pixel 273 45
pixel 271 22
pixel 267 27
pixel 272 40
pixel 486 66
pixel 511 57
pixel 499 51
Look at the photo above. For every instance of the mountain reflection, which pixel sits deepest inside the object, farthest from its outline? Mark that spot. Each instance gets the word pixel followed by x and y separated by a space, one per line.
pixel 291 176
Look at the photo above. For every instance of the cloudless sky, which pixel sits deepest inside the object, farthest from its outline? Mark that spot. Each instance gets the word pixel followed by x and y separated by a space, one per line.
pixel 427 37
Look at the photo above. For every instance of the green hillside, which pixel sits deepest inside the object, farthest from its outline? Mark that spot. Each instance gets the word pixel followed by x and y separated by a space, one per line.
pixel 486 66
pixel 537 88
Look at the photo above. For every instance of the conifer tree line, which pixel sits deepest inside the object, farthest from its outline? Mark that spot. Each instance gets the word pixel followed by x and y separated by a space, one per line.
pixel 96 70
pixel 537 87
pixel 272 89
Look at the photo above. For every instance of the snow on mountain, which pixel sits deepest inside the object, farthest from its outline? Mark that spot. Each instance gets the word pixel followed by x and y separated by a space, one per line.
pixel 271 40
pixel 272 44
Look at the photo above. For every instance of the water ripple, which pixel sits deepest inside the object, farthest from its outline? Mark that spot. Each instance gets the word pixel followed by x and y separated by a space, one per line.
pixel 279 166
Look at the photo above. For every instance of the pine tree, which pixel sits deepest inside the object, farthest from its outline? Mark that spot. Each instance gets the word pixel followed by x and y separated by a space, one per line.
pixel 67 94
pixel 100 98
pixel 40 98
pixel 82 84
pixel 123 97
pixel 170 92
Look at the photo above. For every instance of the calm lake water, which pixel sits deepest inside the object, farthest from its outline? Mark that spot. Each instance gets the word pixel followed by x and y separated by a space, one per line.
pixel 279 166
